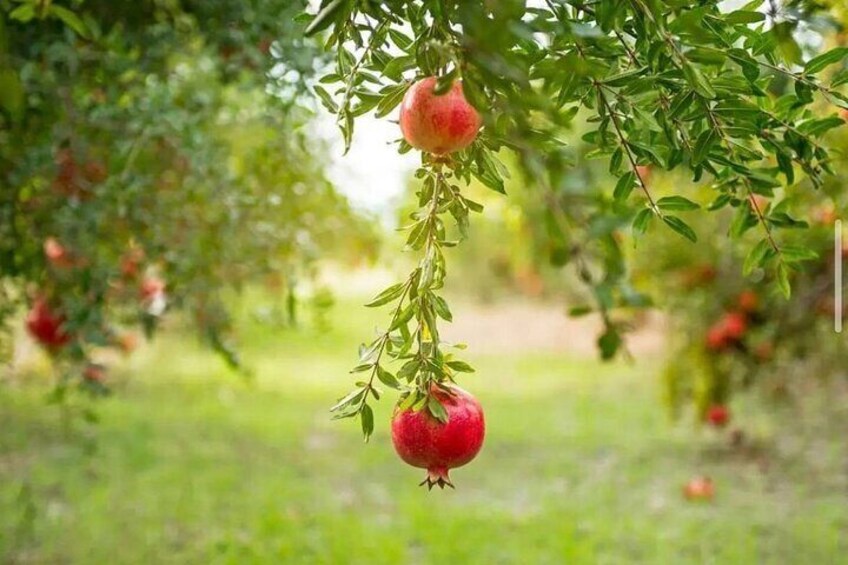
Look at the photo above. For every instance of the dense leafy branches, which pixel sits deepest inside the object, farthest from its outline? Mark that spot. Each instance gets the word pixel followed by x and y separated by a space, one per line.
pixel 142 142
pixel 680 84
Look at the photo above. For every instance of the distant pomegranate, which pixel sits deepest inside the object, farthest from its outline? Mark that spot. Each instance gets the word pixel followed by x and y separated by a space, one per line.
pixel 150 287
pixel 45 325
pixel 748 301
pixel 717 338
pixel 438 124
pixel 425 442
pixel 735 325
pixel 644 172
pixel 699 489
pixel 718 415
pixel 56 254
pixel 94 372
pixel 131 261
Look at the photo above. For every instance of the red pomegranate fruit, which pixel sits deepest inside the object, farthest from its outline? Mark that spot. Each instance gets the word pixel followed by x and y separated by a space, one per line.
pixel 423 441
pixel 718 415
pixel 735 325
pixel 438 124
pixel 45 325
pixel 717 338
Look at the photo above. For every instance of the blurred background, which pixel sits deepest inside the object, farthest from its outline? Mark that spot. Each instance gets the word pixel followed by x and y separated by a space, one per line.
pixel 177 193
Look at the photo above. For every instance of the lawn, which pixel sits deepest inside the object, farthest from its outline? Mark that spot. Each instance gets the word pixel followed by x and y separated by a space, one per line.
pixel 190 463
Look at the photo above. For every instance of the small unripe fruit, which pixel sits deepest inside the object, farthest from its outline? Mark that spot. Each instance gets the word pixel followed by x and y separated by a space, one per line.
pixel 438 124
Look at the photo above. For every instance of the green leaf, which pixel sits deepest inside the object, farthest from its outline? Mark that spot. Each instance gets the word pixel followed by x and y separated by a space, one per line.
pixel 624 186
pixel 680 227
pixel 757 256
pixel 71 20
pixel 783 280
pixel 391 99
pixel 437 410
pixel 824 60
pixel 11 93
pixel 744 17
pixel 460 366
pixel 642 219
pixel 677 203
pixel 608 343
pixel 326 99
pixel 367 418
pixel 698 81
pixel 442 309
pixel 387 378
pixel 387 295
pixel 797 254
pixel 325 17
pixel 703 145
pixel 578 311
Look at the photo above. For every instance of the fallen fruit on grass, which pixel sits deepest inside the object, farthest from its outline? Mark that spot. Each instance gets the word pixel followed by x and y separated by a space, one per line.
pixel 718 415
pixel 438 123
pixel 423 441
pixel 699 489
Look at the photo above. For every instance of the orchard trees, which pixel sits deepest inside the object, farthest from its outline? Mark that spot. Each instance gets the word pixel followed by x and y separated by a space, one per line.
pixel 152 156
pixel 725 95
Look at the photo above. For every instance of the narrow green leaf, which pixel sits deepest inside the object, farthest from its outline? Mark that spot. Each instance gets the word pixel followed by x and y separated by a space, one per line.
pixel 756 257
pixel 624 186
pixel 367 418
pixel 783 280
pixel 680 227
pixel 437 410
pixel 387 295
pixel 677 203
pixel 324 18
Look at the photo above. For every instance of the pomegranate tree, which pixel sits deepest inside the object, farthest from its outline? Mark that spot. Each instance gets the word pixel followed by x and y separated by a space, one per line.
pixel 424 441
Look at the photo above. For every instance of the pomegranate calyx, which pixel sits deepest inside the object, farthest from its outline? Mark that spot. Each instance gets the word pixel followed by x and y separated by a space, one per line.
pixel 437 476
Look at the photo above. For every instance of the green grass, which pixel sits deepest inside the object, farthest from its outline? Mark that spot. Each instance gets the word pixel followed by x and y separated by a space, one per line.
pixel 190 464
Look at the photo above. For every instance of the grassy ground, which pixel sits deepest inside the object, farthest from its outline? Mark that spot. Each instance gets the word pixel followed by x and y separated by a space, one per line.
pixel 192 465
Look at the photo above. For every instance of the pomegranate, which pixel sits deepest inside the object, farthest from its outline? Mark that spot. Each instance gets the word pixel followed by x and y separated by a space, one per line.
pixel 748 301
pixel 423 441
pixel 56 253
pixel 735 325
pixel 717 338
pixel 699 488
pixel 843 113
pixel 151 287
pixel 94 372
pixel 45 325
pixel 718 415
pixel 438 124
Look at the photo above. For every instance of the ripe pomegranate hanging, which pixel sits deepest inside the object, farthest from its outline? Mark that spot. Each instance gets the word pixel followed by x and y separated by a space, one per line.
pixel 45 325
pixel 438 124
pixel 423 441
